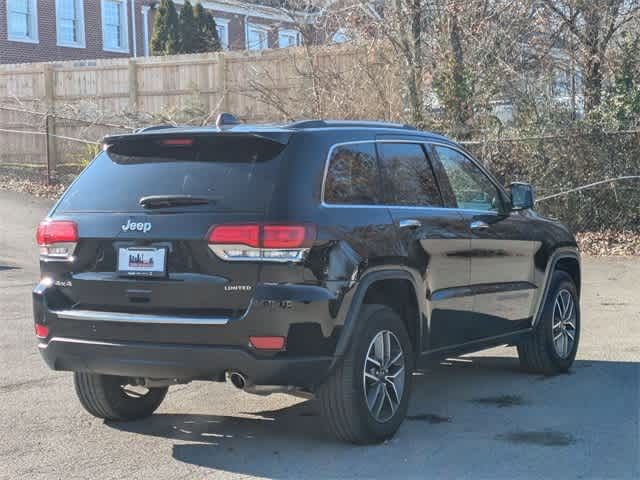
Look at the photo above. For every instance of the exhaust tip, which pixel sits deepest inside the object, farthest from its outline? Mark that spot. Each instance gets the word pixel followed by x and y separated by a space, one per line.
pixel 238 380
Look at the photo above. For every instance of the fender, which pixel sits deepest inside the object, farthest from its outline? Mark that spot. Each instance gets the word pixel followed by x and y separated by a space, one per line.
pixel 560 253
pixel 356 303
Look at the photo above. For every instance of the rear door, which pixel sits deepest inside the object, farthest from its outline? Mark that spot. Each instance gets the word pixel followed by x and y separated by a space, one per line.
pixel 503 246
pixel 234 177
pixel 434 240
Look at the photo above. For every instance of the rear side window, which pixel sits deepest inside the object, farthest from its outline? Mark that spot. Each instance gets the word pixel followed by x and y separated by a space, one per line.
pixel 408 176
pixel 353 177
pixel 234 173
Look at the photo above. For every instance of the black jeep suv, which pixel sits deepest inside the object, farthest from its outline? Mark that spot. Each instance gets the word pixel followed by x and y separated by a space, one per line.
pixel 330 258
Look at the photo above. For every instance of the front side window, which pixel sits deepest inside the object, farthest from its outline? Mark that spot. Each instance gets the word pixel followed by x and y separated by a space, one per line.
pixel 70 22
pixel 115 33
pixel 471 188
pixel 257 38
pixel 22 21
pixel 408 176
pixel 352 177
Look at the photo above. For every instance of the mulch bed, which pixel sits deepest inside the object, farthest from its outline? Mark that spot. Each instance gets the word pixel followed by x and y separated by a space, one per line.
pixel 609 243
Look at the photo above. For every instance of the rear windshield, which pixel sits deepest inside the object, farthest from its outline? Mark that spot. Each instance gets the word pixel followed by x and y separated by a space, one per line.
pixel 236 173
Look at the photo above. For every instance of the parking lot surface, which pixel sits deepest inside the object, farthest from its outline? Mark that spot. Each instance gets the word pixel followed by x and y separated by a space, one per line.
pixel 475 417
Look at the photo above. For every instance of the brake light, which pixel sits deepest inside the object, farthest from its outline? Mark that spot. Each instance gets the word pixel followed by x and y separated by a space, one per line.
pixel 236 235
pixel 57 238
pixel 276 243
pixel 56 231
pixel 177 142
pixel 283 236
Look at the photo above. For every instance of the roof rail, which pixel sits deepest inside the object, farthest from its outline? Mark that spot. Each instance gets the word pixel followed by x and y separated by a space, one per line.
pixel 347 124
pixel 150 128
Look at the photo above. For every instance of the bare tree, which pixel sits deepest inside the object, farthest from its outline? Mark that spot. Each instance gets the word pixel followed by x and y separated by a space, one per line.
pixel 593 26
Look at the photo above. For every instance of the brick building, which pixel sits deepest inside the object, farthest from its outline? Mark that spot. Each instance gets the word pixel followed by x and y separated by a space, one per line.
pixel 251 25
pixel 58 30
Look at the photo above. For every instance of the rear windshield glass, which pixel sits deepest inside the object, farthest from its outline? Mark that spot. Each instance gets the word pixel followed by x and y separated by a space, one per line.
pixel 232 173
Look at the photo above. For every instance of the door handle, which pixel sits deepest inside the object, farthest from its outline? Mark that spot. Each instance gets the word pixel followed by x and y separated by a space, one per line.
pixel 479 225
pixel 410 223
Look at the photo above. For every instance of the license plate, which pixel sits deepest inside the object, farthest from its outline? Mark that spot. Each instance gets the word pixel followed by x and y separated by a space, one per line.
pixel 144 261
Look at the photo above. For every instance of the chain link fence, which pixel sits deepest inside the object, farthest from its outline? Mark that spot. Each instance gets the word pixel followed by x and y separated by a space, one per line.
pixel 49 147
pixel 587 179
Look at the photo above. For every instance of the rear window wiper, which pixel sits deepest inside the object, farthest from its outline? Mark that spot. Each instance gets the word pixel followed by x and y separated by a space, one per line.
pixel 166 201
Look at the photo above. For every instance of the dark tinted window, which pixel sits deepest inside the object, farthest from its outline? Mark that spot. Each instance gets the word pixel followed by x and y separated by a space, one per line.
pixel 236 174
pixel 408 176
pixel 472 189
pixel 352 177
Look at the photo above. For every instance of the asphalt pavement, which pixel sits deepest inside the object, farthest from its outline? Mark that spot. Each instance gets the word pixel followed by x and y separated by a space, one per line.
pixel 475 417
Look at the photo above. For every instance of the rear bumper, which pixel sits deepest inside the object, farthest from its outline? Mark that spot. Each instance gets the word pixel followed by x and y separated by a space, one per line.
pixel 147 345
pixel 133 359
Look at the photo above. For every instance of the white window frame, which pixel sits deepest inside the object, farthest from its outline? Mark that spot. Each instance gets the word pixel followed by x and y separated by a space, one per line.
pixel 125 30
pixel 288 32
pixel 258 28
pixel 33 37
pixel 224 42
pixel 81 42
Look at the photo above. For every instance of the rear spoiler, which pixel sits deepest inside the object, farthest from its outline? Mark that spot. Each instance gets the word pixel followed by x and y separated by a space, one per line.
pixel 156 135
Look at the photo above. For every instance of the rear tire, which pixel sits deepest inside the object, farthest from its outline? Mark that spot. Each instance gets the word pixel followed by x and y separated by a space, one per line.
pixel 363 402
pixel 553 344
pixel 105 396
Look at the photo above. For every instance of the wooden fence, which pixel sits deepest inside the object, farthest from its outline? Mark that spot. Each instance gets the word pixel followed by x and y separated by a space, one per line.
pixel 43 105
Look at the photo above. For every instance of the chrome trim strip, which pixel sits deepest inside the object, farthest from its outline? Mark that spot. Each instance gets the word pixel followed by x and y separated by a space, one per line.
pixel 479 289
pixel 81 341
pixel 564 252
pixel 98 316
pixel 220 252
pixel 46 257
pixel 419 141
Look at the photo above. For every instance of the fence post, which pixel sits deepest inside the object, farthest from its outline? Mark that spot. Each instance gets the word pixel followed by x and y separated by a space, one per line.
pixel 221 74
pixel 47 140
pixel 133 86
pixel 50 122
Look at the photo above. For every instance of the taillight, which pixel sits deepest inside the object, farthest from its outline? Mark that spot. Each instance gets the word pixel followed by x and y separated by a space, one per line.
pixel 57 239
pixel 275 243
pixel 284 236
pixel 248 235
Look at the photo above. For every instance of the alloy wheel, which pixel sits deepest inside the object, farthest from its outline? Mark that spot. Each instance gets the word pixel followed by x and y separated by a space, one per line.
pixel 383 376
pixel 564 323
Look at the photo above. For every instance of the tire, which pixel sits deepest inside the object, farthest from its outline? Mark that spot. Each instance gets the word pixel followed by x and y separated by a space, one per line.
pixel 342 397
pixel 540 353
pixel 103 396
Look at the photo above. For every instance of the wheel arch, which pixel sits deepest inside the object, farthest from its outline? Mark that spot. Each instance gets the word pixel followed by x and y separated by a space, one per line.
pixel 570 265
pixel 395 288
pixel 562 259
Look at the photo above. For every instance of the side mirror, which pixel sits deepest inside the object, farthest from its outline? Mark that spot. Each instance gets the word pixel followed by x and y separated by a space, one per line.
pixel 522 197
